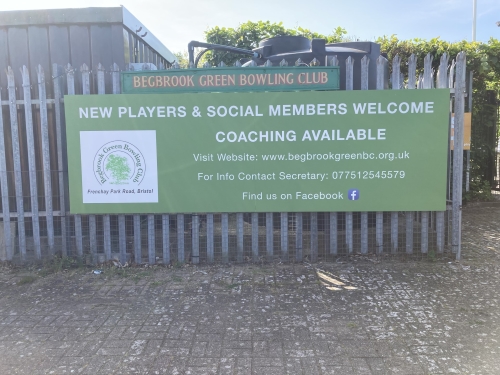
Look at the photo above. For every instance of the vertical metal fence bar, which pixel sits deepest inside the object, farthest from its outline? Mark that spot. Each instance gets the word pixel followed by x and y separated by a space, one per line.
pixel 30 139
pixel 424 235
pixel 137 239
pixel 70 73
pixel 333 233
pixel 284 236
pixel 409 232
pixel 122 239
pixel 412 82
pixel 107 236
pixel 364 232
pixel 379 216
pixel 412 72
pixel 93 236
pixel 47 181
pixel 349 85
pixel 314 237
pixel 365 62
pixel 396 85
pixel 239 237
pixel 210 238
pixel 106 218
pixel 9 251
pixel 225 238
pixel 440 231
pixel 195 239
pixel 79 237
pixel 394 231
pixel 92 219
pixel 458 147
pixel 151 240
pixel 348 232
pixel 269 235
pixel 57 75
pixel 17 164
pixel 424 227
pixel 299 255
pixel 334 61
pixel 180 238
pixel 443 82
pixel 255 236
pixel 165 223
pixel 122 243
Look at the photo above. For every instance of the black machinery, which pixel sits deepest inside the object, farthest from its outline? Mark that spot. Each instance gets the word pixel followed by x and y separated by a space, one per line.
pixel 291 48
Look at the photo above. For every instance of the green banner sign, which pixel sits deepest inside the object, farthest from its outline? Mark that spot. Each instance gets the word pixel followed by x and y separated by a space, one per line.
pixel 258 152
pixel 231 80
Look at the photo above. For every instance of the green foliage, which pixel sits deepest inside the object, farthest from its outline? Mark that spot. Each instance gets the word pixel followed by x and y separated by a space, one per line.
pixel 26 280
pixel 483 59
pixel 249 34
pixel 479 190
pixel 118 167
pixel 182 59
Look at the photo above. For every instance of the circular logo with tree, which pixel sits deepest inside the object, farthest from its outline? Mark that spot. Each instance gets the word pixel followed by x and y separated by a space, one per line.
pixel 119 163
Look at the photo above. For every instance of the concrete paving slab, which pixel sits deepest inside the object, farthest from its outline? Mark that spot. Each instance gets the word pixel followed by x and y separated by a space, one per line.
pixel 355 316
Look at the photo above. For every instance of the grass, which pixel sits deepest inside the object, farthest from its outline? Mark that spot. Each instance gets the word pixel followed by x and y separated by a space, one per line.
pixel 176 279
pixel 59 264
pixel 26 280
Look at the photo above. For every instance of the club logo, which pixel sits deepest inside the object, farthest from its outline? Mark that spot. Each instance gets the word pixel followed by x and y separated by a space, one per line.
pixel 119 163
pixel 353 194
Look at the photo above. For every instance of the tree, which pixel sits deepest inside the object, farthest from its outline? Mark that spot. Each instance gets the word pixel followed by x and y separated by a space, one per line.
pixel 484 61
pixel 249 34
pixel 119 168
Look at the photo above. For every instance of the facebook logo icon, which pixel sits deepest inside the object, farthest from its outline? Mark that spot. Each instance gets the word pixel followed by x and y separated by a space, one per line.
pixel 353 194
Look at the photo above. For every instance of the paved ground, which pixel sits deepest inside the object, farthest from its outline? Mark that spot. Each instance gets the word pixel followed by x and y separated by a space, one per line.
pixel 356 317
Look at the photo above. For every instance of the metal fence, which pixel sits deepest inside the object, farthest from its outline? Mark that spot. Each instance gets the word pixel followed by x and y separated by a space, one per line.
pixel 34 189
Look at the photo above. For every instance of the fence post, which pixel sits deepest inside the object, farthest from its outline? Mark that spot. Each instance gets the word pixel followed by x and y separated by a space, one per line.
pixel 7 233
pixel 44 126
pixel 458 155
pixel 379 216
pixel 30 139
pixel 365 62
pixel 122 234
pixel 92 219
pixel 17 164
pixel 424 220
pixel 57 74
pixel 70 73
pixel 334 61
pixel 269 236
pixel 165 220
pixel 225 237
pixel 255 237
pixel 442 82
pixel 349 85
pixel 284 236
pixel 396 85
pixel 106 218
pixel 239 237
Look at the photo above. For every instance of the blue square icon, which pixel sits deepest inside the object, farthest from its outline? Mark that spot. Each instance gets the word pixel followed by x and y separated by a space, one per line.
pixel 353 194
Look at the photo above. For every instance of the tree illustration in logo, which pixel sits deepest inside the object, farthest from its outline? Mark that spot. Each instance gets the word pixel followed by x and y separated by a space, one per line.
pixel 119 168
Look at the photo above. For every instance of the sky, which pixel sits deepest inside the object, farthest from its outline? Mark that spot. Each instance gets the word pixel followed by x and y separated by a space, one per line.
pixel 175 23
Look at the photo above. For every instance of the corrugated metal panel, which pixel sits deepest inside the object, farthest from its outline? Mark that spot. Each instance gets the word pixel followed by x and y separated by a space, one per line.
pixel 59 45
pixel 38 42
pixel 4 61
